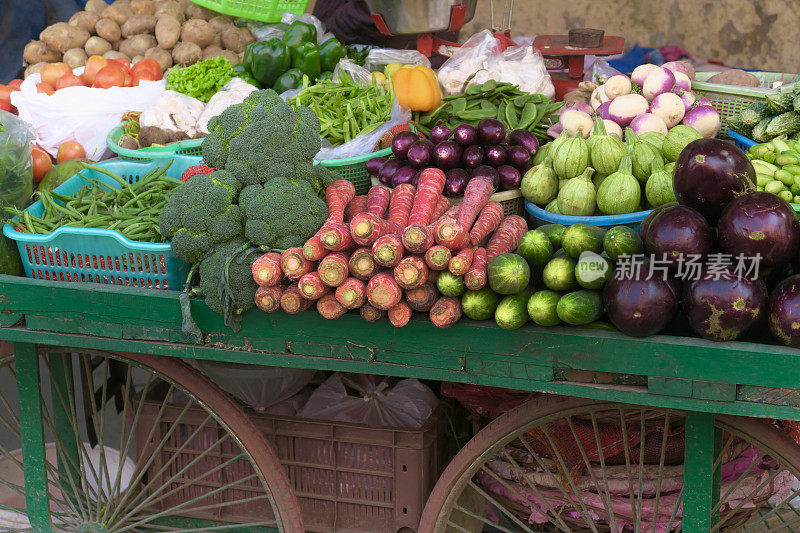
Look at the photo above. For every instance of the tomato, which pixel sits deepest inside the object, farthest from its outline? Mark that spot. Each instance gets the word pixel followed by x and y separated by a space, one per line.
pixel 15 83
pixel 52 71
pixel 124 64
pixel 6 106
pixel 5 98
pixel 41 163
pixel 150 65
pixel 70 150
pixel 128 79
pixel 69 80
pixel 93 66
pixel 45 88
pixel 109 76
pixel 143 75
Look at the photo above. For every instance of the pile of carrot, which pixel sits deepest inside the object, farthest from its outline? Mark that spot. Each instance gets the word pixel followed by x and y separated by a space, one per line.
pixel 381 253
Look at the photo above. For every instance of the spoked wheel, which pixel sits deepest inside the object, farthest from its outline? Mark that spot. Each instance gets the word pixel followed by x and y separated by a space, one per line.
pixel 141 444
pixel 571 464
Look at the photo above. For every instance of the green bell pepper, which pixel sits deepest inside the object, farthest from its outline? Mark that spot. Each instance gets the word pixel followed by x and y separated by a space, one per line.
pixel 300 32
pixel 291 79
pixel 306 58
pixel 330 52
pixel 267 60
pixel 242 73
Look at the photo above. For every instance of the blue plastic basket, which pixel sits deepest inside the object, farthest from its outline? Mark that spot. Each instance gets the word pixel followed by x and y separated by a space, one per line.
pixel 101 255
pixel 539 217
pixel 741 142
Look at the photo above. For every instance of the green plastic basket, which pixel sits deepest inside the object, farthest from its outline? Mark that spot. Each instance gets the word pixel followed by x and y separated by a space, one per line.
pixel 187 147
pixel 731 99
pixel 354 169
pixel 263 10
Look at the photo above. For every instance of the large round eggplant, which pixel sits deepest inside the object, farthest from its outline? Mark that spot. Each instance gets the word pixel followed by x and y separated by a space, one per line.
pixel 722 305
pixel 676 233
pixel 760 223
pixel 649 218
pixel 710 173
pixel 783 314
pixel 640 304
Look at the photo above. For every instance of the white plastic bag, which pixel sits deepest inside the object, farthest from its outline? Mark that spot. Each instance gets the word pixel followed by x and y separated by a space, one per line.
pixel 599 69
pixel 173 111
pixel 378 58
pixel 234 92
pixel 16 172
pixel 82 114
pixel 372 400
pixel 353 69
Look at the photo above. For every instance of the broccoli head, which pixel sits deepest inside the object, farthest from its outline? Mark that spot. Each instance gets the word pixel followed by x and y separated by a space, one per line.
pixel 226 278
pixel 201 213
pixel 282 213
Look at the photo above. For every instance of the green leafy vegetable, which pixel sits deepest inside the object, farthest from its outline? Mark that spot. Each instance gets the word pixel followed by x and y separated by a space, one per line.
pixel 203 79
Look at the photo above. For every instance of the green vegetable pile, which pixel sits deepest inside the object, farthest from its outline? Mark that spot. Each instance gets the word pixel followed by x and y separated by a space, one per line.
pixel 778 114
pixel 201 80
pixel 266 194
pixel 502 101
pixel 130 208
pixel 346 108
pixel 777 166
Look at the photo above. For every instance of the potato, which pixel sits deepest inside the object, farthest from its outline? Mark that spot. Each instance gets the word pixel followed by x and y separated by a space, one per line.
pixel 197 31
pixel 118 13
pixel 137 45
pixel 136 59
pixel 168 31
pixel 211 51
pixel 39 52
pixel 34 69
pixel 161 56
pixel 735 76
pixel 75 57
pixel 96 6
pixel 96 46
pixel 113 54
pixel 138 24
pixel 236 39
pixel 170 7
pixel 122 3
pixel 220 23
pixel 143 7
pixel 217 40
pixel 186 53
pixel 62 36
pixel 108 30
pixel 85 20
pixel 193 11
pixel 233 57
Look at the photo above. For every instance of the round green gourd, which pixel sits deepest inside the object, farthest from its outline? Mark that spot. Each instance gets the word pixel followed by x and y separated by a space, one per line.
pixel 620 193
pixel 654 138
pixel 606 149
pixel 642 155
pixel 571 158
pixel 659 189
pixel 540 184
pixel 552 207
pixel 577 197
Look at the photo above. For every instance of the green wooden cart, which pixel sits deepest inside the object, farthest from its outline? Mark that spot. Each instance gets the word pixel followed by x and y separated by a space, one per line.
pixel 595 453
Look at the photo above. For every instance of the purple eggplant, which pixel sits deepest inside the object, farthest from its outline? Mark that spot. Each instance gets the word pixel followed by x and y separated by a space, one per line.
pixel 402 142
pixel 510 177
pixel 525 139
pixel 465 135
pixel 496 155
pixel 491 131
pixel 455 182
pixel 517 156
pixel 374 165
pixel 473 156
pixel 439 134
pixel 388 170
pixel 783 312
pixel 487 172
pixel 404 174
pixel 447 155
pixel 420 153
pixel 677 233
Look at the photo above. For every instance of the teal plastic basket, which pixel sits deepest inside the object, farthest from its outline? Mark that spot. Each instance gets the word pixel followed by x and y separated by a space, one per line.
pixel 187 147
pixel 89 255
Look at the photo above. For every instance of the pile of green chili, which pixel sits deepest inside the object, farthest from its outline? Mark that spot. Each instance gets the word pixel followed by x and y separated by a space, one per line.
pixel 132 209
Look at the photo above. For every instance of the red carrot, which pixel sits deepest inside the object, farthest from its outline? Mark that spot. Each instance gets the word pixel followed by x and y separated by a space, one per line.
pixel 312 249
pixel 423 297
pixel 431 185
pixel 400 314
pixel 336 237
pixel 328 307
pixel 417 238
pixel 491 216
pixel 267 269
pixel 294 264
pixel 475 278
pixel 333 269
pixel 445 312
pixel 451 233
pixel 459 265
pixel 476 195
pixel 352 293
pixel 370 313
pixel 268 299
pixel 383 291
pixel 438 257
pixel 311 286
pixel 400 204
pixel 357 205
pixel 433 275
pixel 378 200
pixel 366 228
pixel 442 205
pixel 362 264
pixel 337 195
pixel 411 272
pixel 507 237
pixel 292 302
pixel 388 250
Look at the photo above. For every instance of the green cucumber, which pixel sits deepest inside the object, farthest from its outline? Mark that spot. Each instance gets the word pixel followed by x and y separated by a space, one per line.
pixel 480 304
pixel 579 238
pixel 542 308
pixel 508 273
pixel 580 307
pixel 512 312
pixel 622 240
pixel 536 247
pixel 449 284
pixel 592 271
pixel 559 274
pixel 554 232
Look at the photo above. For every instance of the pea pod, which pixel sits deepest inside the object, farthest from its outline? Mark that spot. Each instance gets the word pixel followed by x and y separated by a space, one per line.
pixel 511 116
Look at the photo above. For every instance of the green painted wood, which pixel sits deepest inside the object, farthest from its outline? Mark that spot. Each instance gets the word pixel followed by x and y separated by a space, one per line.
pixel 700 481
pixel 712 390
pixel 770 395
pixel 9 319
pixel 30 418
pixel 62 393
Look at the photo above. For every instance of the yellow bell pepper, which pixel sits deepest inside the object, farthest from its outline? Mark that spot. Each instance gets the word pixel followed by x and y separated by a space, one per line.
pixel 417 88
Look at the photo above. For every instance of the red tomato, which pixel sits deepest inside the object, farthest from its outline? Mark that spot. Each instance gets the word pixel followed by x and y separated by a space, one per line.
pixel 111 75
pixel 45 88
pixel 93 66
pixel 6 106
pixel 15 83
pixel 128 79
pixel 124 64
pixel 41 163
pixel 150 65
pixel 70 150
pixel 52 71
pixel 143 75
pixel 69 80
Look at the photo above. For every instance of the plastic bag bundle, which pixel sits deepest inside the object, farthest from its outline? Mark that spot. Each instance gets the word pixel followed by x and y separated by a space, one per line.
pixel 378 58
pixel 16 172
pixel 372 400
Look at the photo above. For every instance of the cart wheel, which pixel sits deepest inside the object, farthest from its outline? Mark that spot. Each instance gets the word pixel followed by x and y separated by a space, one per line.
pixel 572 464
pixel 141 443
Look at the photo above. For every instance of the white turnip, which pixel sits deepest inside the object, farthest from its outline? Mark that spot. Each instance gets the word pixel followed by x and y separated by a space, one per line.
pixel 682 82
pixel 688 98
pixel 704 119
pixel 668 107
pixel 598 97
pixel 703 101
pixel 680 66
pixel 648 122
pixel 576 121
pixel 640 73
pixel 658 81
pixel 602 110
pixel 627 107
pixel 617 85
pixel 612 127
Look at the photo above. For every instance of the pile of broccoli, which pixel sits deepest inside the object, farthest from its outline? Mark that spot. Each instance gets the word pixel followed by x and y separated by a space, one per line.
pixel 265 194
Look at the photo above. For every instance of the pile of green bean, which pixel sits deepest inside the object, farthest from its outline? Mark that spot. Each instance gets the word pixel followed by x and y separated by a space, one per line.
pixel 346 108
pixel 132 209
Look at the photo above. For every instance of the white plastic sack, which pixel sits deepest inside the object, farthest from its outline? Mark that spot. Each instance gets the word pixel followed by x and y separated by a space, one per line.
pixel 372 400
pixel 378 58
pixel 82 114
pixel 234 92
pixel 173 111
pixel 353 69
pixel 599 69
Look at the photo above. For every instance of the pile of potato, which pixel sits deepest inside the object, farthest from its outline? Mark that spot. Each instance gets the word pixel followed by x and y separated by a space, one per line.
pixel 172 32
